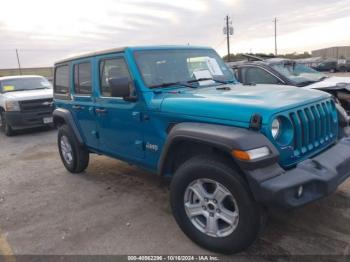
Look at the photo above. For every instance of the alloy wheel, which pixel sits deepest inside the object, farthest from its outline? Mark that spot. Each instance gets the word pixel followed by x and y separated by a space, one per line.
pixel 211 208
pixel 66 150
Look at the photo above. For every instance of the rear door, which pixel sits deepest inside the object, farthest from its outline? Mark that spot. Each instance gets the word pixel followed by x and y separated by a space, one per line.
pixel 83 106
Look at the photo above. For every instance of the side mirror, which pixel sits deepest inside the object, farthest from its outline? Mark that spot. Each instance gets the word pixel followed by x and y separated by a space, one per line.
pixel 120 87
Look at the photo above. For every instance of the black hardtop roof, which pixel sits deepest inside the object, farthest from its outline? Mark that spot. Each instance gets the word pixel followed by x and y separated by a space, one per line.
pixel 122 49
pixel 91 54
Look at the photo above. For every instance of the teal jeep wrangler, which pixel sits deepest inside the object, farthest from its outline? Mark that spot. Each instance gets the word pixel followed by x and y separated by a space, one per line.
pixel 230 150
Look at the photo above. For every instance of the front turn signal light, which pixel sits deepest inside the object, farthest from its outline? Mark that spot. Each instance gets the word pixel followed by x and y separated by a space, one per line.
pixel 251 154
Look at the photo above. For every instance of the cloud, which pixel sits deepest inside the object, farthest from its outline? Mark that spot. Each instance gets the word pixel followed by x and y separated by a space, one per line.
pixel 45 31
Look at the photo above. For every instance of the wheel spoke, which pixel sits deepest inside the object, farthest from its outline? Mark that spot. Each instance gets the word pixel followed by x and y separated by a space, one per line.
pixel 199 190
pixel 220 193
pixel 63 146
pixel 69 157
pixel 212 225
pixel 194 210
pixel 228 216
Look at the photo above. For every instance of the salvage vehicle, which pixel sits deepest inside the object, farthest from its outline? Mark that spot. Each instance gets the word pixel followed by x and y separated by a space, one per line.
pixel 25 102
pixel 280 71
pixel 231 151
pixel 329 65
pixel 343 65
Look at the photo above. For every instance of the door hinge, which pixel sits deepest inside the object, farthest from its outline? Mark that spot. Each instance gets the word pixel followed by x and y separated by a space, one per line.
pixel 140 145
pixel 95 134
pixel 137 115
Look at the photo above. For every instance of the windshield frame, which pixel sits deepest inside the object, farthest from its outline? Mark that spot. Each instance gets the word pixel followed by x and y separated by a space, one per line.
pixel 180 85
pixel 5 82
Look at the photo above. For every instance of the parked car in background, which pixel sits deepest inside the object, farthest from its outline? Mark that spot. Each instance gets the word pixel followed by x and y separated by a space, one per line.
pixel 25 102
pixel 230 150
pixel 343 65
pixel 281 71
pixel 329 65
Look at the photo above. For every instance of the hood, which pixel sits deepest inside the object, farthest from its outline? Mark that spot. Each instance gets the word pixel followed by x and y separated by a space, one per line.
pixel 333 82
pixel 239 103
pixel 29 94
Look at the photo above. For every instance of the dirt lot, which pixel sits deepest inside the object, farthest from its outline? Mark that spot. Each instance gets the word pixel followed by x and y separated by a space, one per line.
pixel 114 208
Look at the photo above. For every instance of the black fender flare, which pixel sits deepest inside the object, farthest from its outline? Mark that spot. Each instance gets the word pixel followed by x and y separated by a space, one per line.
pixel 66 115
pixel 226 138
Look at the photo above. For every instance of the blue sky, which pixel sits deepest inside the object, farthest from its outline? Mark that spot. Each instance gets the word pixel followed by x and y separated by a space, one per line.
pixel 48 30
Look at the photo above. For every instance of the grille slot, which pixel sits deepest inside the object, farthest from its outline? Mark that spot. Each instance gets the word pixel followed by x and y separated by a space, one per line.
pixel 313 127
pixel 36 105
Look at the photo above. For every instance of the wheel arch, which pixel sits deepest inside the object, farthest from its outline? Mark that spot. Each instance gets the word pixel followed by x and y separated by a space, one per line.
pixel 63 116
pixel 186 140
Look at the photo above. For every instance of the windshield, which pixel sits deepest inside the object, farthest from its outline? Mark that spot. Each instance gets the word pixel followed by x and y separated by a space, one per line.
pixel 25 83
pixel 298 73
pixel 161 67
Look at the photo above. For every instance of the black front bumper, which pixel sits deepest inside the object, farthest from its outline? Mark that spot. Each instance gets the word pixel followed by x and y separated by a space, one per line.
pixel 23 120
pixel 318 177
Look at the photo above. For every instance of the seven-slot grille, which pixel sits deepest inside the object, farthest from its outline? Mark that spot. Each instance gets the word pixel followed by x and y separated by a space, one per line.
pixel 36 105
pixel 314 126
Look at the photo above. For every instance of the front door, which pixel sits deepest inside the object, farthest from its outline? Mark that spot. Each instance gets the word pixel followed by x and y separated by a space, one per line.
pixel 119 121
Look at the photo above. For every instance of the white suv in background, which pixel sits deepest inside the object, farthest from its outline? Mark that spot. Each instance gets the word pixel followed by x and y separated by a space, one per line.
pixel 25 102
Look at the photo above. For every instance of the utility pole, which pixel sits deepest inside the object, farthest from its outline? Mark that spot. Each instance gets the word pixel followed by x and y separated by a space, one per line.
pixel 228 38
pixel 19 64
pixel 275 21
pixel 228 31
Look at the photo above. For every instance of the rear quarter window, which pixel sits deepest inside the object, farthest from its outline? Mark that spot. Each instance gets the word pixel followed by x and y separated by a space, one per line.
pixel 82 79
pixel 61 81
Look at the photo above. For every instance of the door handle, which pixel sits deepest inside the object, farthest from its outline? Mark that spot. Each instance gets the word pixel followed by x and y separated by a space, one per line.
pixel 77 107
pixel 101 110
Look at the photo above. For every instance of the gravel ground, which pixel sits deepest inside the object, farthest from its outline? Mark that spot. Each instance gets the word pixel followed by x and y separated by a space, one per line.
pixel 114 208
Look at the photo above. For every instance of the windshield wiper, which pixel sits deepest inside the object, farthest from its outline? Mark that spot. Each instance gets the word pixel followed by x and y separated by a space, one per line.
pixel 179 83
pixel 322 78
pixel 207 79
pixel 309 82
pixel 306 83
pixel 189 82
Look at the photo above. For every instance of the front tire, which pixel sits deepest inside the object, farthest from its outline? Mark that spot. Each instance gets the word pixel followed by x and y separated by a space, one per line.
pixel 74 157
pixel 213 206
pixel 4 126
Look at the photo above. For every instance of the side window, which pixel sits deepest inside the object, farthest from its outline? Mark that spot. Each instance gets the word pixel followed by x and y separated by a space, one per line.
pixel 62 80
pixel 254 75
pixel 82 79
pixel 112 68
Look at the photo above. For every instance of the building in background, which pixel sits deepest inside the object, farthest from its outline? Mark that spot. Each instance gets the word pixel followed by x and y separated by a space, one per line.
pixel 42 71
pixel 337 52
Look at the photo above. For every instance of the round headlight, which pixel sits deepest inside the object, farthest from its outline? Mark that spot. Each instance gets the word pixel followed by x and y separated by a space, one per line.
pixel 276 128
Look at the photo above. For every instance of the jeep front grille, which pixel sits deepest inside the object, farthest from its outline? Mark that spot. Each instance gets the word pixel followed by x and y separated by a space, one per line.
pixel 314 127
pixel 36 105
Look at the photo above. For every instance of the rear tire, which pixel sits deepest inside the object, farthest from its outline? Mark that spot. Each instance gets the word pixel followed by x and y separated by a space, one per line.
pixel 74 157
pixel 4 126
pixel 248 218
pixel 342 69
